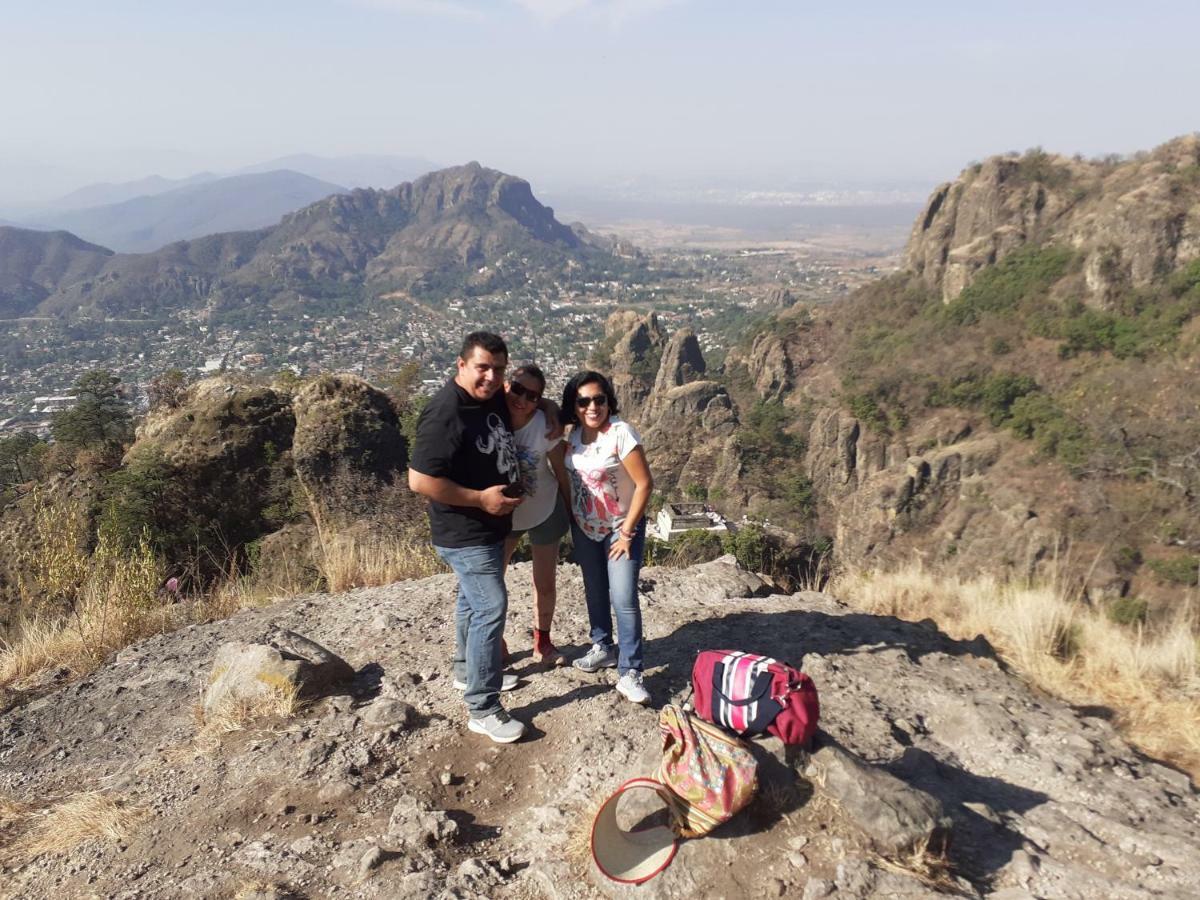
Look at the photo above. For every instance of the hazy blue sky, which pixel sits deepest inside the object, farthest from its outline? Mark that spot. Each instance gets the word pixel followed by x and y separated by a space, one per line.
pixel 572 91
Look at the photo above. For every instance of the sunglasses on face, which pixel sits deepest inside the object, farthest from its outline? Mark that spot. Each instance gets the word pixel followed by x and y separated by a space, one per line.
pixel 521 392
pixel 585 402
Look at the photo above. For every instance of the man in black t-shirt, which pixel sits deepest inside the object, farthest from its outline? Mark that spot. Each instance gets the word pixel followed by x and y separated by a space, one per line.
pixel 465 463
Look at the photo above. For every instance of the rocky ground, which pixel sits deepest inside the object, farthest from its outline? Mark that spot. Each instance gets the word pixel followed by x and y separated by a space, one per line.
pixel 381 791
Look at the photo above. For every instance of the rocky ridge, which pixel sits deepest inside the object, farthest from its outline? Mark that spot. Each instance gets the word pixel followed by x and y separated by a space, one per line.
pixel 469 224
pixel 378 790
pixel 1134 221
pixel 1097 323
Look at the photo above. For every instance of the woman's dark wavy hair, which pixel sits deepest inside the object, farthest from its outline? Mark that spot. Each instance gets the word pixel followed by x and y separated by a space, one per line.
pixel 569 414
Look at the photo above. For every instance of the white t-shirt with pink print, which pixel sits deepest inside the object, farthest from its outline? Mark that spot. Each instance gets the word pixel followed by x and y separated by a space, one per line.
pixel 601 489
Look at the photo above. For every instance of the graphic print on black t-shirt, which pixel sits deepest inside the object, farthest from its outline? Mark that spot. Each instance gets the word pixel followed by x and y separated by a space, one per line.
pixel 468 441
pixel 499 440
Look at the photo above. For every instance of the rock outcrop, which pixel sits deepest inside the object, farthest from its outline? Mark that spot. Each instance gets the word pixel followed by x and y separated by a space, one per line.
pixel 687 422
pixel 347 449
pixel 1134 221
pixel 955 496
pixel 636 358
pixel 224 446
pixel 381 791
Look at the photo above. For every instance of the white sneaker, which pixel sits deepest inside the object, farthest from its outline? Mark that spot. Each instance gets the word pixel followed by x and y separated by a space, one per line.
pixel 499 726
pixel 507 682
pixel 599 657
pixel 631 688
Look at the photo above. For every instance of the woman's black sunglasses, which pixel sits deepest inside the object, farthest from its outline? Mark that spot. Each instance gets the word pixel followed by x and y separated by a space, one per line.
pixel 585 402
pixel 519 390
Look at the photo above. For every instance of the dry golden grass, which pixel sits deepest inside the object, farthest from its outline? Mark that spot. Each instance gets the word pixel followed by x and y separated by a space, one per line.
pixel 278 702
pixel 116 603
pixel 1148 675
pixel 11 812
pixel 236 591
pixel 351 560
pixel 65 825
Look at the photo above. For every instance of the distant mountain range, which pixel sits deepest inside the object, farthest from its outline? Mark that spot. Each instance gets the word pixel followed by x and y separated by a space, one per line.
pixel 236 203
pixel 466 228
pixel 149 213
pixel 357 171
pixel 108 193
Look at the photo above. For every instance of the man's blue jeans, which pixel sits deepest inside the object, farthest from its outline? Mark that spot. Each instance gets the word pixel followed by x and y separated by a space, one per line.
pixel 479 622
pixel 613 582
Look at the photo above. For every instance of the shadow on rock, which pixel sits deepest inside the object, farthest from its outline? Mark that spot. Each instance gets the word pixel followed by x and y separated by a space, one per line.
pixel 791 634
pixel 982 841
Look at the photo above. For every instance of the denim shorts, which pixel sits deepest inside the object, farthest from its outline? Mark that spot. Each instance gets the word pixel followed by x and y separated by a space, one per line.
pixel 551 530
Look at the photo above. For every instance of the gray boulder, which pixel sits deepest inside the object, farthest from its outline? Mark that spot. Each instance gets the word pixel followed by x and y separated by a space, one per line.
pixel 899 819
pixel 286 663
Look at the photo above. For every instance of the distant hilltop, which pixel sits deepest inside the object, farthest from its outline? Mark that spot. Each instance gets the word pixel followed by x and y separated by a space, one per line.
pixel 1133 221
pixel 467 227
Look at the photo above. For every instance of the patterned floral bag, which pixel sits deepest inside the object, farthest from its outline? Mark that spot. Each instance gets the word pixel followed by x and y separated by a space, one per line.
pixel 710 775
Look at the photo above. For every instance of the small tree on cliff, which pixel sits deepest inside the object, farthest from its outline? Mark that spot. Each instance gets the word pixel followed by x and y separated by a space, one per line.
pixel 100 418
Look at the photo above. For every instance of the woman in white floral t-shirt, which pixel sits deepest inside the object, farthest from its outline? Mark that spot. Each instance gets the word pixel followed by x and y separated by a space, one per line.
pixel 609 484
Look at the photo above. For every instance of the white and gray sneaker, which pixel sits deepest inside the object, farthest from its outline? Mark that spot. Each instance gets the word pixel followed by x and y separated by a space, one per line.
pixel 599 657
pixel 499 726
pixel 507 682
pixel 631 688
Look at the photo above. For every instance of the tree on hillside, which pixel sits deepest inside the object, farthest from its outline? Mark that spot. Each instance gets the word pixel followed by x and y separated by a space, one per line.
pixel 100 417
pixel 402 384
pixel 20 457
pixel 167 390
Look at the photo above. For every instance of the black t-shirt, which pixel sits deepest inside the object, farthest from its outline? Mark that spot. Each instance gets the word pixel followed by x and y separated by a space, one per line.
pixel 470 442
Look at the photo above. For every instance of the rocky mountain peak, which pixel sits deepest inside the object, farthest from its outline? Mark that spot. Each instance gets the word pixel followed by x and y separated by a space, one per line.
pixel 636 356
pixel 682 361
pixel 1135 221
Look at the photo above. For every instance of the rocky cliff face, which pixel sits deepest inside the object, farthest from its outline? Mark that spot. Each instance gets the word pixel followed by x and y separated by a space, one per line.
pixel 1135 222
pixel 376 788
pixel 907 460
pixel 636 358
pixel 688 423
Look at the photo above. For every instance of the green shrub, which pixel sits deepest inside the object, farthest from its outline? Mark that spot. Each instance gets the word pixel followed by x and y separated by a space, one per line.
pixel 1187 279
pixel 797 491
pixel 696 545
pixel 687 549
pixel 100 417
pixel 1037 417
pixel 1177 569
pixel 998 346
pixel 143 502
pixel 993 394
pixel 866 409
pixel 1027 272
pixel 1127 559
pixel 1128 610
pixel 752 548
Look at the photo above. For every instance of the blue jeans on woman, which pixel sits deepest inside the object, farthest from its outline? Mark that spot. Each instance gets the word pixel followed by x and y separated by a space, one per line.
pixel 479 623
pixel 613 583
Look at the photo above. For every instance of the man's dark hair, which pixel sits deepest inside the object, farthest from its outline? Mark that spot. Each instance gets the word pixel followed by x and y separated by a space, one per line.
pixel 569 414
pixel 532 371
pixel 490 342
